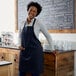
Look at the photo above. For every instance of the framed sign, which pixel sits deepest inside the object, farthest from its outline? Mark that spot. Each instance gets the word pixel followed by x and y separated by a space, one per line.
pixel 56 14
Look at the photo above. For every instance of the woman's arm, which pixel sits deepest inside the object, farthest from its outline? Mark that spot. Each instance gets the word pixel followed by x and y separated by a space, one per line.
pixel 19 39
pixel 47 35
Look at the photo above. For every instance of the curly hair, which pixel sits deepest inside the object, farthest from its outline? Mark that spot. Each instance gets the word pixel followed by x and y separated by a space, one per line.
pixel 37 5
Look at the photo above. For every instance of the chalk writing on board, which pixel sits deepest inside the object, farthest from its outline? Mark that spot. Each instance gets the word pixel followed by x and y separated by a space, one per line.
pixel 56 14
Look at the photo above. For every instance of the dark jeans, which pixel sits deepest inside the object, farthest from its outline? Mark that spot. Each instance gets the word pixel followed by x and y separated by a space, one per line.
pixel 23 74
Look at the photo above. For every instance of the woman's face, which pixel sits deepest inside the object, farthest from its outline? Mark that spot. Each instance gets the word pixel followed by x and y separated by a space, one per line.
pixel 32 12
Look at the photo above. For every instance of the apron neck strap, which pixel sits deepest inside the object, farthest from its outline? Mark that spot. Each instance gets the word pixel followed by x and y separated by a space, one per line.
pixel 34 22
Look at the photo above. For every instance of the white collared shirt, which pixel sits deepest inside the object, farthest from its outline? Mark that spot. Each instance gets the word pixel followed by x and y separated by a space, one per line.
pixel 38 27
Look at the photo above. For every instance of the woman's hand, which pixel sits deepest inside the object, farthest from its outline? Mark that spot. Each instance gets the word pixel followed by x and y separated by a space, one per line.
pixel 21 48
pixel 55 52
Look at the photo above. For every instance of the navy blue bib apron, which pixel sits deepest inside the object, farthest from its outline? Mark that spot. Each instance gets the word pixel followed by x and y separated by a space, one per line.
pixel 31 59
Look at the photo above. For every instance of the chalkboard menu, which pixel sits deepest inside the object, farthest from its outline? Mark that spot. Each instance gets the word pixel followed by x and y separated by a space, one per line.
pixel 56 14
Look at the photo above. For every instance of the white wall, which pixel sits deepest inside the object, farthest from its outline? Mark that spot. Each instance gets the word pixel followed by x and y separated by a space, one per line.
pixel 7 15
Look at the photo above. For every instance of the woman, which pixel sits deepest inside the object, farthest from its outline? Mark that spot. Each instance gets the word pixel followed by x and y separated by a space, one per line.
pixel 31 54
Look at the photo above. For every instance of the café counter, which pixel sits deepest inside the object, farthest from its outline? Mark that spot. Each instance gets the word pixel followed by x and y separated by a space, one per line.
pixel 55 64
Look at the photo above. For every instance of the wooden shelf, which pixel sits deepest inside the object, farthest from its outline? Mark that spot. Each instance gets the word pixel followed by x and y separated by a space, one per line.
pixel 63 31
